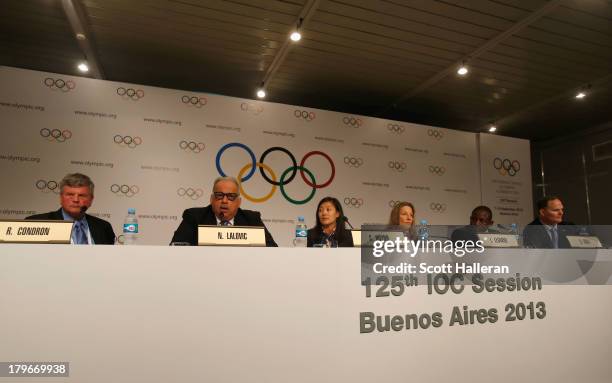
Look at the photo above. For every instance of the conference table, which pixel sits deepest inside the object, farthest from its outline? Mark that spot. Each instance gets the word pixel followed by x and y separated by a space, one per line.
pixel 215 314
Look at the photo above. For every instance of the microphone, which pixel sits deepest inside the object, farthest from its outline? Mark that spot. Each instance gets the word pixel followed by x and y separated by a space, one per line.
pixel 345 219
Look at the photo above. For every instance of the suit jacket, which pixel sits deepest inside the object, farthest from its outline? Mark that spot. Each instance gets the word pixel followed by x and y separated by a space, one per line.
pixel 101 231
pixel 536 236
pixel 188 229
pixel 312 238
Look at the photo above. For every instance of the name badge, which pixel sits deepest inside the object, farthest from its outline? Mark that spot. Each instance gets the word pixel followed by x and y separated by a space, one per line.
pixel 35 231
pixel 231 236
pixel 367 238
pixel 498 240
pixel 584 241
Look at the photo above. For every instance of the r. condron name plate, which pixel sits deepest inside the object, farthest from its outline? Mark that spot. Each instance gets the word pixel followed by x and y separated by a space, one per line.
pixel 231 236
pixel 35 231
pixel 498 240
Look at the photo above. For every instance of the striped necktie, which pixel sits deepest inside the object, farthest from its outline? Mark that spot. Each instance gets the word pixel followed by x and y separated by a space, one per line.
pixel 80 236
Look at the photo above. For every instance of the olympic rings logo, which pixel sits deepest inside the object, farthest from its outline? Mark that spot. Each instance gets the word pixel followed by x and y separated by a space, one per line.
pixel 438 170
pixel 506 166
pixel 284 180
pixel 130 93
pixel 189 192
pixel 48 186
pixel 437 207
pixel 392 203
pixel 195 147
pixel 397 165
pixel 124 190
pixel 353 202
pixel 352 121
pixel 304 114
pixel 249 107
pixel 129 141
pixel 435 133
pixel 353 162
pixel 64 86
pixel 55 134
pixel 395 128
pixel 198 102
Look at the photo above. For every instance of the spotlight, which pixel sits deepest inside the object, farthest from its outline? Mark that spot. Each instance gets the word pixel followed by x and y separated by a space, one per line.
pixel 462 71
pixel 83 67
pixel 296 36
pixel 261 93
pixel 580 95
pixel 492 128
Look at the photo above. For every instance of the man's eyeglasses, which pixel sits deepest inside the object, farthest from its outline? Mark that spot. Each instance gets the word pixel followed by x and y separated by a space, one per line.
pixel 230 196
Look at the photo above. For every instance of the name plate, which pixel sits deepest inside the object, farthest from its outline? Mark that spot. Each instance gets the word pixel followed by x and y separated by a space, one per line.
pixel 367 238
pixel 584 241
pixel 231 236
pixel 498 240
pixel 35 231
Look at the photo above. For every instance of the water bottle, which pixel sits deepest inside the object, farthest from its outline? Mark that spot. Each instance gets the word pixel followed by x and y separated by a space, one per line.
pixel 130 228
pixel 515 232
pixel 300 233
pixel 423 231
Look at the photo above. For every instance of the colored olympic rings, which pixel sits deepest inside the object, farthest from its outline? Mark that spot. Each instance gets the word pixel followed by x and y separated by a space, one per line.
pixel 506 166
pixel 245 173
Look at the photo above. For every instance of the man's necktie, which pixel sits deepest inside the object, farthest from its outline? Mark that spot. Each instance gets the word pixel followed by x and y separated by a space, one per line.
pixel 555 237
pixel 225 223
pixel 80 236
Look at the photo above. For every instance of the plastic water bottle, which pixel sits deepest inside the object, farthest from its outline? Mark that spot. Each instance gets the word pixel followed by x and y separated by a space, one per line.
pixel 300 233
pixel 423 230
pixel 130 228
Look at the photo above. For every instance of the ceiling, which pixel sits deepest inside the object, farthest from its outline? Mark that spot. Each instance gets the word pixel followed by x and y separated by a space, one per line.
pixel 387 58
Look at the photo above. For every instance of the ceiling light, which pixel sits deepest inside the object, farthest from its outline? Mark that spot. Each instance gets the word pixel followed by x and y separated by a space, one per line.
pixel 492 128
pixel 80 36
pixel 261 93
pixel 462 71
pixel 296 36
pixel 83 67
pixel 580 95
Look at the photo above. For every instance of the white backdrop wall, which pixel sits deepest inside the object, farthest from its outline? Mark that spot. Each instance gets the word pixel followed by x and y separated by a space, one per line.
pixel 155 150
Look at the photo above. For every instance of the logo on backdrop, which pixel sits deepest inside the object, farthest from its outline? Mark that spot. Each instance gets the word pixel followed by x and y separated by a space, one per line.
pixel 435 133
pixel 396 166
pixel 59 84
pixel 190 193
pixel 198 102
pixel 192 146
pixel 352 121
pixel 392 203
pixel 283 180
pixel 55 134
pixel 127 141
pixel 506 166
pixel 130 93
pixel 437 207
pixel 353 162
pixel 124 190
pixel 395 128
pixel 304 114
pixel 253 108
pixel 437 170
pixel 48 186
pixel 353 202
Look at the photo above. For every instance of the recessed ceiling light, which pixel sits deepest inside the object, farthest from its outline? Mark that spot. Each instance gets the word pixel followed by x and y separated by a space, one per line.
pixel 83 67
pixel 492 128
pixel 580 95
pixel 80 36
pixel 261 93
pixel 295 36
pixel 462 71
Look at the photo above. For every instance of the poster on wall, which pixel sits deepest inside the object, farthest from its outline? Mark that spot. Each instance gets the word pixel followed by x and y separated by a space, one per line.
pixel 505 164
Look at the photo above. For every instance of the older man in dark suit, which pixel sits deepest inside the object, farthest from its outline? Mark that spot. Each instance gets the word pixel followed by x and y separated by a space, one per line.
pixel 224 210
pixel 76 196
pixel 548 230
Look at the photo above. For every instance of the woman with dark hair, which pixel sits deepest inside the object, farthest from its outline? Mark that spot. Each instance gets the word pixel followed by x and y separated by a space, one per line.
pixel 402 215
pixel 330 230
